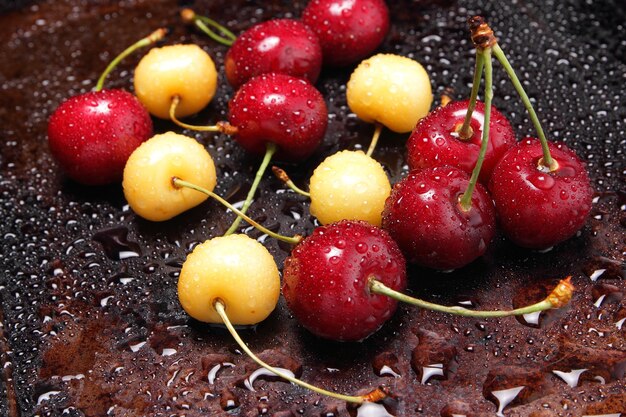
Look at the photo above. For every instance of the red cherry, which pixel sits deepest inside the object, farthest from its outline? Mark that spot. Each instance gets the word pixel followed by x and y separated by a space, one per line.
pixel 326 280
pixel 537 208
pixel 93 134
pixel 424 216
pixel 435 141
pixel 280 109
pixel 348 30
pixel 281 45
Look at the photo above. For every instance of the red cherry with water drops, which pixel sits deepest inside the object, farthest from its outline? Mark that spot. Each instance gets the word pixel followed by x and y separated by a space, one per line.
pixel 284 46
pixel 424 216
pixel 348 30
pixel 287 111
pixel 93 134
pixel 537 208
pixel 436 140
pixel 326 280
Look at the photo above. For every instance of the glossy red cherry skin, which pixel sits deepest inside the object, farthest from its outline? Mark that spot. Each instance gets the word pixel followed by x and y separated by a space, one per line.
pixel 282 109
pixel 434 141
pixel 93 134
pixel 424 217
pixel 281 45
pixel 348 30
pixel 537 209
pixel 325 280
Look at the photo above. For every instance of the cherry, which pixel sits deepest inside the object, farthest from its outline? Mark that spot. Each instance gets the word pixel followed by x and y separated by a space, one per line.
pixel 279 109
pixel 424 215
pixel 343 282
pixel 348 30
pixel 436 140
pixel 285 46
pixel 538 208
pixel 93 134
pixel 281 45
pixel 325 285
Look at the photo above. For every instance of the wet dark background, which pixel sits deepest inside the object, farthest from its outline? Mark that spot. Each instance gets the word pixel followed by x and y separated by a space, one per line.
pixel 87 333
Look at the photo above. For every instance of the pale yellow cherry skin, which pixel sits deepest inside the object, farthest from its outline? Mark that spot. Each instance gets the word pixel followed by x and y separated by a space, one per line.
pixel 390 89
pixel 148 174
pixel 235 269
pixel 175 70
pixel 349 185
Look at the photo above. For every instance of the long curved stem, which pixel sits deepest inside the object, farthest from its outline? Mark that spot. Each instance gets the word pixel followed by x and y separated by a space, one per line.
pixel 559 297
pixel 374 142
pixel 466 129
pixel 182 183
pixel 466 199
pixel 148 40
pixel 374 396
pixel 282 175
pixel 203 23
pixel 269 152
pixel 223 127
pixel 547 160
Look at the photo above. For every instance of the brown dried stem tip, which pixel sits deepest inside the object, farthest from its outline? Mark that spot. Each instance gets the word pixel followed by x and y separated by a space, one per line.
pixel 562 294
pixel 188 15
pixel 280 174
pixel 378 394
pixel 157 35
pixel 482 35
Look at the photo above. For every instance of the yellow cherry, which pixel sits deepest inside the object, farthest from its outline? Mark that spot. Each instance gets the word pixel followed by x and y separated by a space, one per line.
pixel 149 171
pixel 185 71
pixel 236 270
pixel 390 89
pixel 349 185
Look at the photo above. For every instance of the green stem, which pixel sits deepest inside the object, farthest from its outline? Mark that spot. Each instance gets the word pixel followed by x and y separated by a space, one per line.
pixel 378 287
pixel 148 40
pixel 466 199
pixel 221 310
pixel 374 142
pixel 203 23
pixel 547 160
pixel 182 183
pixel 282 175
pixel 269 152
pixel 466 130
pixel 223 127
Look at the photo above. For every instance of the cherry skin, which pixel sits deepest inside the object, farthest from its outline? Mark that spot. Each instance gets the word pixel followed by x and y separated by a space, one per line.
pixel 281 109
pixel 424 216
pixel 435 140
pixel 280 45
pixel 326 280
pixel 93 134
pixel 348 30
pixel 536 208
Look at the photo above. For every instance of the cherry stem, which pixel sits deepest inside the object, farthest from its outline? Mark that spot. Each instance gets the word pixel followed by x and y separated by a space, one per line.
pixel 466 199
pixel 282 175
pixel 178 183
pixel 270 150
pixel 223 127
pixel 547 160
pixel 154 37
pixel 374 142
pixel 559 297
pixel 220 308
pixel 465 132
pixel 201 22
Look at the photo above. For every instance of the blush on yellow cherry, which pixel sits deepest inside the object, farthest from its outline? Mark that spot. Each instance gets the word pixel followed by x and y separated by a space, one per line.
pixel 185 71
pixel 391 90
pixel 236 270
pixel 349 185
pixel 149 171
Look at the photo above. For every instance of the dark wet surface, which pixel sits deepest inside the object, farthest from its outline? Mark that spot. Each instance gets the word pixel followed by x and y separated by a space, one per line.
pixel 91 323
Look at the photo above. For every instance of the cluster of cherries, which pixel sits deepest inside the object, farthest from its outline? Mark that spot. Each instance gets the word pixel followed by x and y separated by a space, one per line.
pixel 343 281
